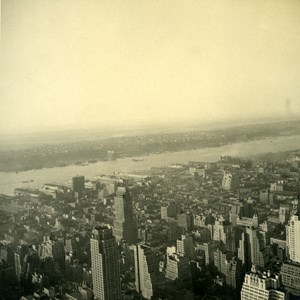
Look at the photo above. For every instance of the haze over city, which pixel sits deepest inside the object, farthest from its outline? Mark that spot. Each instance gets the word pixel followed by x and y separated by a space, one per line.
pixel 150 150
pixel 72 64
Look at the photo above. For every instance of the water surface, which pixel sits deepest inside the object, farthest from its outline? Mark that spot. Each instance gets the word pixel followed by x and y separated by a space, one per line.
pixel 11 180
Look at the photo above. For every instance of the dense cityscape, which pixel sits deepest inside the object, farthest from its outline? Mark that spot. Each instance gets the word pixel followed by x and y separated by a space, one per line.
pixel 149 150
pixel 206 230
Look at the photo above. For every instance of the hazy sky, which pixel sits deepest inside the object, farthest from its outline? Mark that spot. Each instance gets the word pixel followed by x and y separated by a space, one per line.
pixel 93 63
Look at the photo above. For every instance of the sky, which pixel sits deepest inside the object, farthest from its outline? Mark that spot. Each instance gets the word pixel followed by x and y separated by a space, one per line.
pixel 101 63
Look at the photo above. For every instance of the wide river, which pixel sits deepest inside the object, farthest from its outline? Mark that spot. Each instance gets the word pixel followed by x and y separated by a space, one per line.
pixel 11 180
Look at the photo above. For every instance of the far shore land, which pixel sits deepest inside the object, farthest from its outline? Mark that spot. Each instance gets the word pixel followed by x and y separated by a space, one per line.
pixel 88 152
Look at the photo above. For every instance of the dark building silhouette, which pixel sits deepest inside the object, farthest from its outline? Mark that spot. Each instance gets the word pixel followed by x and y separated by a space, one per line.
pixel 78 186
pixel 124 222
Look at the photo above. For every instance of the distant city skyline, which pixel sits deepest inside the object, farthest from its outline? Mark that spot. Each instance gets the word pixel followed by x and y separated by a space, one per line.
pixel 81 65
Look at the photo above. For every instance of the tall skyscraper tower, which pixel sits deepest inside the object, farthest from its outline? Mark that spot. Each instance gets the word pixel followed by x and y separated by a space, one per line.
pixel 124 222
pixel 252 248
pixel 243 252
pixel 257 247
pixel 105 265
pixel 78 186
pixel 233 273
pixel 293 237
pixel 146 263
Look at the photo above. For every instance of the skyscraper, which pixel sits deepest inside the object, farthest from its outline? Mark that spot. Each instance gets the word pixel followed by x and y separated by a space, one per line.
pixel 290 275
pixel 124 222
pixel 220 260
pixel 208 250
pixel 283 213
pixel 252 248
pixel 18 268
pixel 230 181
pixel 78 186
pixel 185 245
pixel 169 211
pixel 105 265
pixel 234 273
pixel 178 267
pixel 261 286
pixel 185 220
pixel 243 252
pixel 146 263
pixel 293 237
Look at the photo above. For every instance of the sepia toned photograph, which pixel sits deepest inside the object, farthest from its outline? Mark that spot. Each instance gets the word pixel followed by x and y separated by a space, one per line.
pixel 150 149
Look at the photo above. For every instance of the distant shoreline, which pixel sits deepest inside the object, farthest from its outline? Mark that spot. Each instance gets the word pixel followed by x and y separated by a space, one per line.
pixel 137 158
pixel 97 150
pixel 61 175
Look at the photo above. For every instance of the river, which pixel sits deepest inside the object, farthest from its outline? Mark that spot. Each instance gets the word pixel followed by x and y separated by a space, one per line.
pixel 61 175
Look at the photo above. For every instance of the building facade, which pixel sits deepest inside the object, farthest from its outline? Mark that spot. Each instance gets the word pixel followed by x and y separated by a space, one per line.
pixel 257 250
pixel 233 273
pixel 290 276
pixel 185 221
pixel 147 275
pixel 293 238
pixel 169 211
pixel 78 186
pixel 258 286
pixel 105 265
pixel 124 221
pixel 178 267
pixel 185 246
pixel 230 181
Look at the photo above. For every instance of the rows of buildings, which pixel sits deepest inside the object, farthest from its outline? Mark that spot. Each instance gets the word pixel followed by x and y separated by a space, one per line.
pixel 224 230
